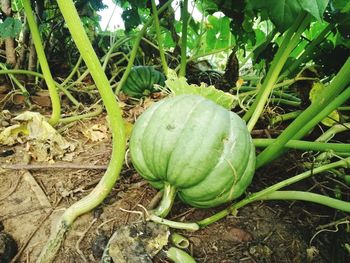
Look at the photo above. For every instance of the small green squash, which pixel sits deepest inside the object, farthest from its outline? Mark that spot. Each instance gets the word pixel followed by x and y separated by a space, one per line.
pixel 193 147
pixel 141 80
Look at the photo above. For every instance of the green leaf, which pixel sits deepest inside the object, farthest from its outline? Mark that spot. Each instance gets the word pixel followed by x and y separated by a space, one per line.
pixel 315 7
pixel 131 19
pixel 206 6
pixel 342 5
pixel 281 12
pixel 346 8
pixel 16 5
pixel 315 92
pixel 218 33
pixel 10 27
pixel 179 86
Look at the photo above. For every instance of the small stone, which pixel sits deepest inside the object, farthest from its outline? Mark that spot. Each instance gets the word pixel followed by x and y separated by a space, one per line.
pixel 5 124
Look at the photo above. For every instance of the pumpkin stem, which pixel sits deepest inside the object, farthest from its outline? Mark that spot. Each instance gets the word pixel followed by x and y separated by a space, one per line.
pixel 165 205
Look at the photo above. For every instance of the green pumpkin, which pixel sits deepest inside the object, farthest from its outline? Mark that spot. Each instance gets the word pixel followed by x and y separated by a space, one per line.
pixel 196 147
pixel 141 80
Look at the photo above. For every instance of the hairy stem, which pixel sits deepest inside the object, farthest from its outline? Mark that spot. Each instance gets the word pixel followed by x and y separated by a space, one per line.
pixel 106 183
pixel 179 256
pixel 317 111
pixel 36 74
pixel 159 38
pixel 308 52
pixel 305 145
pixel 135 48
pixel 184 18
pixel 310 197
pixel 169 194
pixel 329 134
pixel 55 100
pixel 259 195
pixel 290 40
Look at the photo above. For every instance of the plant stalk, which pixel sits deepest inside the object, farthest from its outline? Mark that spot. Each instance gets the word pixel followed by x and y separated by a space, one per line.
pixel 308 52
pixel 55 100
pixel 316 112
pixel 310 197
pixel 159 38
pixel 329 134
pixel 136 46
pixel 289 42
pixel 169 194
pixel 184 19
pixel 324 112
pixel 306 145
pixel 106 183
pixel 259 195
pixel 179 256
pixel 36 74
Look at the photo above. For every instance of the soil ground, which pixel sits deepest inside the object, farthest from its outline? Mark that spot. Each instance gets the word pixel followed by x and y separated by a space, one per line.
pixel 31 199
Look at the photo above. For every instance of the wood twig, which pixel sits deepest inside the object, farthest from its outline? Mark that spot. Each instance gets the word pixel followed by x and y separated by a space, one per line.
pixel 20 166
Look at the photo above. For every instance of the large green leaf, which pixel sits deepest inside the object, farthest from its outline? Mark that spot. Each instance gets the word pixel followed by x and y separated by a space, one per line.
pixel 342 5
pixel 315 7
pixel 10 27
pixel 218 33
pixel 283 12
pixel 131 18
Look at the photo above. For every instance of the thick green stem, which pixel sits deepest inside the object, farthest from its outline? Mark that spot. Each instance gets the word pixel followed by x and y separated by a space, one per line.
pixel 290 41
pixel 184 19
pixel 308 52
pixel 117 127
pixel 285 117
pixel 159 38
pixel 96 112
pixel 104 59
pixel 329 134
pixel 324 113
pixel 259 48
pixel 264 195
pixel 179 256
pixel 310 197
pixel 278 94
pixel 316 112
pixel 179 240
pixel 55 100
pixel 173 224
pixel 169 194
pixel 305 145
pixel 285 102
pixel 259 195
pixel 136 46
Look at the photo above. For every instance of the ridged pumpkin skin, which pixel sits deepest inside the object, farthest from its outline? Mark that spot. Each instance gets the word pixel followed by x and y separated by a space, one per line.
pixel 141 80
pixel 199 147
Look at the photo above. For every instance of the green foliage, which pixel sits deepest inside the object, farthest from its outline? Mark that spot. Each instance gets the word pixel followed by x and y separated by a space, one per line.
pixel 314 95
pixel 218 34
pixel 131 15
pixel 16 5
pixel 179 86
pixel 283 13
pixel 11 27
pixel 131 18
